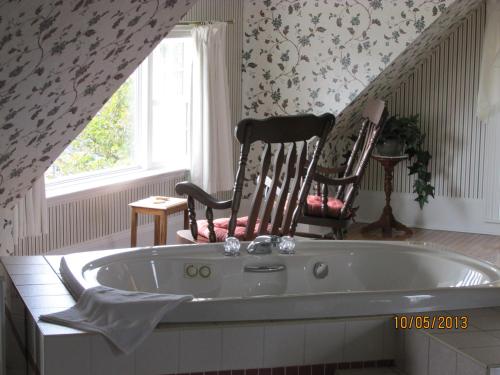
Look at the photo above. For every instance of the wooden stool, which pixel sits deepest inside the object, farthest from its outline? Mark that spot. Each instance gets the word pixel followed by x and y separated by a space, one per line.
pixel 160 207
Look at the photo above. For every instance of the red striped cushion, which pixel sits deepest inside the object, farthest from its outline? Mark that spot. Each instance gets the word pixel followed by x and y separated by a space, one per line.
pixel 314 203
pixel 221 227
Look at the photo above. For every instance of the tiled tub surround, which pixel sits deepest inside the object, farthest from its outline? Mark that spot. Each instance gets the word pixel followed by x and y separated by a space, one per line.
pixel 316 347
pixel 473 351
pixel 307 347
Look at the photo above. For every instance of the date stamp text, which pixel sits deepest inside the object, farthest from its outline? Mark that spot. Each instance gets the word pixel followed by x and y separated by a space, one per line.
pixel 445 322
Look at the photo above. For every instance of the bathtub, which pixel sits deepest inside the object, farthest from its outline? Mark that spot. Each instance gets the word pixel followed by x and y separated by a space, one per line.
pixel 324 279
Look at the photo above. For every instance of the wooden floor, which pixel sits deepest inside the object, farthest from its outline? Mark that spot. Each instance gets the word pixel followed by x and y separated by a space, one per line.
pixel 481 246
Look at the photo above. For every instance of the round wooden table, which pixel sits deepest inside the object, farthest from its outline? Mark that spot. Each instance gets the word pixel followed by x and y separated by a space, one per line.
pixel 387 222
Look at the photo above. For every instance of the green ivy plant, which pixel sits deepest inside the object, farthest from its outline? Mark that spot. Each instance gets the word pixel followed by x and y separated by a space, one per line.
pixel 407 131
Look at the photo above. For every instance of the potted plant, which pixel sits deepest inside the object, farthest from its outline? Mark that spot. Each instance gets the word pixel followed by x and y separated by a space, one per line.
pixel 401 135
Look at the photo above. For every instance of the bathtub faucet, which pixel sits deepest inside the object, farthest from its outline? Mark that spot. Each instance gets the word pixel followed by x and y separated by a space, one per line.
pixel 265 244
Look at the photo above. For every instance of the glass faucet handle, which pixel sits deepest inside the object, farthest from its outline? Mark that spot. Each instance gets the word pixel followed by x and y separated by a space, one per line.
pixel 287 245
pixel 232 246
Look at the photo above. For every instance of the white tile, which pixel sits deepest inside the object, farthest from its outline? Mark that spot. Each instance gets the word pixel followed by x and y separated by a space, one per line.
pixel 284 345
pixel 159 354
pixel 23 260
pixel 471 313
pixel 48 329
pixel 15 360
pixel 63 355
pixel 15 303
pixel 42 290
pixel 494 333
pixel 32 337
pixel 470 339
pixel 487 356
pixel 483 311
pixel 242 347
pixel 399 355
pixel 37 302
pixel 466 366
pixel 485 319
pixel 440 331
pixel 363 340
pixel 43 310
pixel 18 324
pixel 35 279
pixel 416 353
pixel 200 349
pixel 442 359
pixel 389 340
pixel 28 269
pixel 106 359
pixel 324 342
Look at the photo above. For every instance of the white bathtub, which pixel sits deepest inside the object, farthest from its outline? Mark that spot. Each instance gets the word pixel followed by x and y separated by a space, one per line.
pixel 364 278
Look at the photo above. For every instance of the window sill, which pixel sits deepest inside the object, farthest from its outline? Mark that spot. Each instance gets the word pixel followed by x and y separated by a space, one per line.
pixel 73 191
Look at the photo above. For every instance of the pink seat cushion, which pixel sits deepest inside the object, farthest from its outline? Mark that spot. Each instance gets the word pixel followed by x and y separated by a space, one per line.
pixel 221 227
pixel 314 203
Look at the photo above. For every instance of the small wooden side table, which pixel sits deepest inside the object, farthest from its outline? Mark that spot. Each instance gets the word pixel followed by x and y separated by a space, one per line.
pixel 387 221
pixel 160 207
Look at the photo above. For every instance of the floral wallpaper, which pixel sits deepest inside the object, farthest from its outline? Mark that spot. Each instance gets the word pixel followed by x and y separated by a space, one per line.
pixel 406 62
pixel 317 56
pixel 330 56
pixel 59 63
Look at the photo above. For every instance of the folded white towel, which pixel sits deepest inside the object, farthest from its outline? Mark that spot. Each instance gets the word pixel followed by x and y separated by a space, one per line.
pixel 125 318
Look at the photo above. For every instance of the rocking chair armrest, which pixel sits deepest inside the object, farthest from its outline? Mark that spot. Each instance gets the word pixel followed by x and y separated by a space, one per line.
pixel 335 181
pixel 201 195
pixel 326 170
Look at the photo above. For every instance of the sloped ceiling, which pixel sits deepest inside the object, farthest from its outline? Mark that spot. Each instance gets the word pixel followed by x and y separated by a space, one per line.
pixel 406 63
pixel 59 63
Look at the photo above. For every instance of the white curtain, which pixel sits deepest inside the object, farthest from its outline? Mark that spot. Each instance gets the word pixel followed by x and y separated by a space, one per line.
pixel 489 81
pixel 30 214
pixel 211 132
pixel 488 108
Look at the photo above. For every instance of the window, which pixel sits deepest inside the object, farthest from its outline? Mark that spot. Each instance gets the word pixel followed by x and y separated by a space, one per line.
pixel 144 125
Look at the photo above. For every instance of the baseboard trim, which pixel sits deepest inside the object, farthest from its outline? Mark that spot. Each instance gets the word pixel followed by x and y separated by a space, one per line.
pixel 451 214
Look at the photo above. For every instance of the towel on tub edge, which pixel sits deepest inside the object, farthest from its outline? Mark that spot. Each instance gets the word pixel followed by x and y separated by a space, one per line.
pixel 125 318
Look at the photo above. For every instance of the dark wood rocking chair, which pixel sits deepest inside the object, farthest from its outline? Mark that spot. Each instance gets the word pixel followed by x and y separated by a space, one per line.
pixel 283 200
pixel 337 212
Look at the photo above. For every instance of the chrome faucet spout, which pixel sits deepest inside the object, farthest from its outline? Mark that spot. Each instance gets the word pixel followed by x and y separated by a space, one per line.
pixel 265 244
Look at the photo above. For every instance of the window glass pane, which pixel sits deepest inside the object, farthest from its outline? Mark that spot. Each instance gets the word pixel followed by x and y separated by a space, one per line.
pixel 105 143
pixel 145 123
pixel 171 97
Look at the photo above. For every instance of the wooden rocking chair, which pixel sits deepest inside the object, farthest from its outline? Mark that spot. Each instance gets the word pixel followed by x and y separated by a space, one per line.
pixel 337 212
pixel 283 200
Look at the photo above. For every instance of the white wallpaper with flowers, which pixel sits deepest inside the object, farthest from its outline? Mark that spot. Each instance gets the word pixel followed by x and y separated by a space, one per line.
pixel 317 56
pixel 325 56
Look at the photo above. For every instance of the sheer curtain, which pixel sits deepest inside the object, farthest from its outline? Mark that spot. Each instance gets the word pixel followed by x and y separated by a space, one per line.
pixel 488 108
pixel 211 132
pixel 489 81
pixel 30 216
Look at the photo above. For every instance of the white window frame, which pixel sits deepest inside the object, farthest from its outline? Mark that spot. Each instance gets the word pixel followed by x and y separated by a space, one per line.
pixel 143 135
